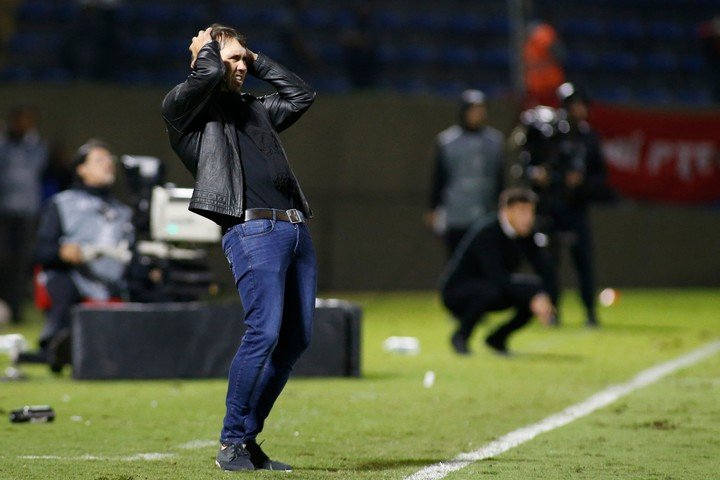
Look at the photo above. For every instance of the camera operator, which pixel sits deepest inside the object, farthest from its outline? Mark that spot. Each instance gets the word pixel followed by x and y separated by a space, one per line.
pixel 565 165
pixel 82 247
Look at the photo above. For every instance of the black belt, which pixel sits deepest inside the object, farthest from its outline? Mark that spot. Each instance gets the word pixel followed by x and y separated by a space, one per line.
pixel 293 215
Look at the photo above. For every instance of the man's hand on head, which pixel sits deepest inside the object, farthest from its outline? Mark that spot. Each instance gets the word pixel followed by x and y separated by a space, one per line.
pixel 200 40
pixel 250 56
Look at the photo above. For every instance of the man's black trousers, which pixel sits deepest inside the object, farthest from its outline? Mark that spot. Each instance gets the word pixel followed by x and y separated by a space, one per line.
pixel 469 301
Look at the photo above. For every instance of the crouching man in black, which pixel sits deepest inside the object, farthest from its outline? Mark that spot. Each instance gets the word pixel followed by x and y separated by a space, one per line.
pixel 482 275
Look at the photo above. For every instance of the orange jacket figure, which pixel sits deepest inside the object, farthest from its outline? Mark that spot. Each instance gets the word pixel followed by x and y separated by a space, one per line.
pixel 543 71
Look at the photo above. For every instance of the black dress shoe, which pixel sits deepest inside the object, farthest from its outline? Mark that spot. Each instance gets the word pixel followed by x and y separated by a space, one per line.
pixel 592 321
pixel 261 461
pixel 460 343
pixel 498 345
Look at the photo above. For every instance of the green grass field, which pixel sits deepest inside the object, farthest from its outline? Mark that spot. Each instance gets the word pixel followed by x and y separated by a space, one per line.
pixel 387 425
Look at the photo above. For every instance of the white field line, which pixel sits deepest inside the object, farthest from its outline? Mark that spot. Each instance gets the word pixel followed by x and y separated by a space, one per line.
pixel 154 456
pixel 128 458
pixel 570 414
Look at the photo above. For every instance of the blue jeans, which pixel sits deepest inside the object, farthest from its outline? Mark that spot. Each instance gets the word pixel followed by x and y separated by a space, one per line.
pixel 274 267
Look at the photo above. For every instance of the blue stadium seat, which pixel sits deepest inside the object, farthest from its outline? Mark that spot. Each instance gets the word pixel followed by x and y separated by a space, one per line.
pixel 269 17
pixel 236 16
pixel 612 94
pixel 620 62
pixel 387 53
pixel 581 60
pixel 581 27
pixel 388 20
pixel 667 30
pixel 317 18
pixel 695 96
pixel 331 53
pixel 194 15
pixel 497 25
pixel 467 24
pixel 459 56
pixel 494 57
pixel 692 63
pixel 427 22
pixel 34 43
pixel 148 13
pixel 272 49
pixel 660 62
pixel 655 95
pixel 625 29
pixel 46 11
pixel 416 55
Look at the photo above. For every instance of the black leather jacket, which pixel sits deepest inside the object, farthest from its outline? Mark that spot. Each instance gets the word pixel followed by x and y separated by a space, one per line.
pixel 200 120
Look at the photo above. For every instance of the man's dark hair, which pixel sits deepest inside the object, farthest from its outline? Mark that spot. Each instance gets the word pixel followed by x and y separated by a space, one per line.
pixel 514 195
pixel 222 33
pixel 82 152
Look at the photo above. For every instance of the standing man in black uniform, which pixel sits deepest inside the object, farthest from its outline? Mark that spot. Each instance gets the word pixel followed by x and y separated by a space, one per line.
pixel 229 142
pixel 567 170
pixel 482 275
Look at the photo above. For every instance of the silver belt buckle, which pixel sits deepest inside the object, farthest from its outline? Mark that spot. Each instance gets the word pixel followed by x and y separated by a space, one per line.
pixel 294 215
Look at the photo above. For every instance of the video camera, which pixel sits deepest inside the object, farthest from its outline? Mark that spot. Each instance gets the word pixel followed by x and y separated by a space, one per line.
pixel 169 263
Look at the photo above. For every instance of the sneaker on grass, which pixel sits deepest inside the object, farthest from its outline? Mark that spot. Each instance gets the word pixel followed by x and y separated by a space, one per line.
pixel 234 458
pixel 261 461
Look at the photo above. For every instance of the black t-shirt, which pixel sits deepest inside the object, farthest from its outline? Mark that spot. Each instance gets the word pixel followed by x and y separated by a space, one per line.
pixel 261 169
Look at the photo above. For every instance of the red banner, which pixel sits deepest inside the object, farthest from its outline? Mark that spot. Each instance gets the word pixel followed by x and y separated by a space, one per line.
pixel 661 155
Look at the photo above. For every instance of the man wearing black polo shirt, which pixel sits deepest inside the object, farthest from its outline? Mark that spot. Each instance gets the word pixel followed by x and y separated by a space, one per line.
pixel 483 273
pixel 229 141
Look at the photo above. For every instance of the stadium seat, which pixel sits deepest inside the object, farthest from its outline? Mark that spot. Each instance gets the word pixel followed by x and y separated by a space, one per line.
pixel 495 58
pixel 581 27
pixel 695 96
pixel 459 56
pixel 612 94
pixel 619 62
pixel 46 11
pixel 388 20
pixel 655 95
pixel 666 30
pixel 427 22
pixel 416 55
pixel 660 62
pixel 581 60
pixel 624 29
pixel 466 24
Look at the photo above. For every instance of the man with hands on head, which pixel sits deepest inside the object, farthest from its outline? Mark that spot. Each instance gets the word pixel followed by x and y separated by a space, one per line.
pixel 229 142
pixel 483 274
